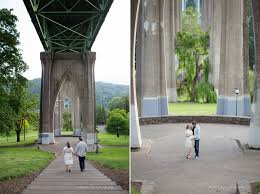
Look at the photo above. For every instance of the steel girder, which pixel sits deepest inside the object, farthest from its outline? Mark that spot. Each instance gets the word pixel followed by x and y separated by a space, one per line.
pixel 67 25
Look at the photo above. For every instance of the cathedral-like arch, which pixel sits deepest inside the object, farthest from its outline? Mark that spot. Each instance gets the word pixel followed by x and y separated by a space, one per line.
pixel 79 69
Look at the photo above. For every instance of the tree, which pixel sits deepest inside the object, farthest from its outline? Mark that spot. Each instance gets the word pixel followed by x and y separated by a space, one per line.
pixel 191 3
pixel 192 51
pixel 118 121
pixel 251 35
pixel 119 103
pixel 23 105
pixel 11 68
pixel 67 123
pixel 101 114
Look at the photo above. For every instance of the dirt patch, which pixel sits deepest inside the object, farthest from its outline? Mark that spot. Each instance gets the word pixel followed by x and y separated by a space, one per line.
pixel 137 185
pixel 17 185
pixel 121 177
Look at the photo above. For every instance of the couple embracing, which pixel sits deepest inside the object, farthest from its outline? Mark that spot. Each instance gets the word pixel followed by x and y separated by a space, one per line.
pixel 192 139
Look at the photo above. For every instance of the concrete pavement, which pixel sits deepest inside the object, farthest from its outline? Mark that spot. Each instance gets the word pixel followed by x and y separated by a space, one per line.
pixel 221 164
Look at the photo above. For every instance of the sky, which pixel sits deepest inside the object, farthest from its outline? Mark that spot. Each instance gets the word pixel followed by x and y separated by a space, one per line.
pixel 112 44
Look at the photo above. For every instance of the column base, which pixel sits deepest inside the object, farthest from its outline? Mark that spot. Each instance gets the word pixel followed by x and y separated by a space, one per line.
pixel 172 95
pixel 46 138
pixel 154 106
pixel 90 139
pixel 136 140
pixel 254 136
pixel 57 132
pixel 234 107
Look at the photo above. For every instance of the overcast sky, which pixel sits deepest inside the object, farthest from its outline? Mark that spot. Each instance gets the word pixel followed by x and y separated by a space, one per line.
pixel 112 45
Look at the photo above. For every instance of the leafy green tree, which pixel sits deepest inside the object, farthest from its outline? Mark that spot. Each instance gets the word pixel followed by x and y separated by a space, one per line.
pixel 11 68
pixel 67 123
pixel 192 51
pixel 101 114
pixel 251 34
pixel 118 121
pixel 191 3
pixel 119 103
pixel 23 105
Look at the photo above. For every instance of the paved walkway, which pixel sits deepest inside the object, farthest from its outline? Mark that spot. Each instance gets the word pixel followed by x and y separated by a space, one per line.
pixel 221 164
pixel 54 180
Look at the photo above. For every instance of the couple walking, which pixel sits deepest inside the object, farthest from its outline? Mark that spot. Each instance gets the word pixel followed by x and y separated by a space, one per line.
pixel 81 151
pixel 192 139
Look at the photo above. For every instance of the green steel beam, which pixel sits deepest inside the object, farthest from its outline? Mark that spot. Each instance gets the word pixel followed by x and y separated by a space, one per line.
pixel 67 25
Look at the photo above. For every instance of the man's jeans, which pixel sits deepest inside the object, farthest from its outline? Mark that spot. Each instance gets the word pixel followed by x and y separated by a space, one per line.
pixel 82 163
pixel 196 146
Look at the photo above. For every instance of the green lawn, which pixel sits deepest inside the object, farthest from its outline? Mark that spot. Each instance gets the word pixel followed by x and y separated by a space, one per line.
pixel 115 158
pixel 30 138
pixel 134 190
pixel 112 140
pixel 16 162
pixel 189 108
pixel 66 132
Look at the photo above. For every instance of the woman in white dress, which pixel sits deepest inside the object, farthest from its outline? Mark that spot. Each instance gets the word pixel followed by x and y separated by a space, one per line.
pixel 189 140
pixel 67 156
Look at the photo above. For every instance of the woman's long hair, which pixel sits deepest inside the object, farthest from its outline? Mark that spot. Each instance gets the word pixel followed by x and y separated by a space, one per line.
pixel 68 144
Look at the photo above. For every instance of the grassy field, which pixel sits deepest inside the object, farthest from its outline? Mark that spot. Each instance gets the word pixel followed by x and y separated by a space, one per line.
pixel 134 190
pixel 16 162
pixel 30 138
pixel 115 158
pixel 112 140
pixel 188 108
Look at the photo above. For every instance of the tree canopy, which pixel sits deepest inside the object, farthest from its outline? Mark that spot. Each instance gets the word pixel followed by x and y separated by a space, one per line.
pixel 192 50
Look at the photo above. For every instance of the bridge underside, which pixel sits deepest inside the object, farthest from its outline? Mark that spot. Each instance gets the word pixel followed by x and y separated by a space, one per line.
pixel 67 25
pixel 67 30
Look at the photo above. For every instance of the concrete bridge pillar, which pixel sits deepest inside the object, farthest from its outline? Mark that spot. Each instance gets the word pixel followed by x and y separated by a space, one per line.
pixel 136 140
pixel 79 69
pixel 57 117
pixel 153 97
pixel 172 24
pixel 232 68
pixel 254 131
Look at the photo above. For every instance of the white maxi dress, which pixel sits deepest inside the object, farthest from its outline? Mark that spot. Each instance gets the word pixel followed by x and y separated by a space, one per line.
pixel 189 137
pixel 67 152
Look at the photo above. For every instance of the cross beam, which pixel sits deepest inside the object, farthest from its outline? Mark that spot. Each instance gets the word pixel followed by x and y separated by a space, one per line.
pixel 67 25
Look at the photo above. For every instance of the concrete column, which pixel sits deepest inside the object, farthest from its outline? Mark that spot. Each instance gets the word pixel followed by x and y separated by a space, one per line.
pixel 254 131
pixel 232 67
pixel 215 40
pixel 46 135
pixel 78 68
pixel 153 73
pixel 136 140
pixel 87 98
pixel 57 117
pixel 76 127
pixel 170 18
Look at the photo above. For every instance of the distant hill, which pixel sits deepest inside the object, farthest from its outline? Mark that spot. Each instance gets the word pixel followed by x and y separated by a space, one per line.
pixel 104 91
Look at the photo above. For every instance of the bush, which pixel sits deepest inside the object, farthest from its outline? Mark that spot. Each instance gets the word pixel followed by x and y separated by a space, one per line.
pixel 117 120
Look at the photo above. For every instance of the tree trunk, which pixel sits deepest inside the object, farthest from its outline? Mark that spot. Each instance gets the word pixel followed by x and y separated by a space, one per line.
pixel 194 83
pixel 18 135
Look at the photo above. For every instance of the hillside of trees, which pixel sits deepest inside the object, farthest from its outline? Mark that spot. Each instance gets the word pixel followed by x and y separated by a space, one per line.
pixel 104 91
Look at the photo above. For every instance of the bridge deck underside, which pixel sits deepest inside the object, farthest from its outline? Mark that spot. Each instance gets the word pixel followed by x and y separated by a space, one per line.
pixel 67 25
